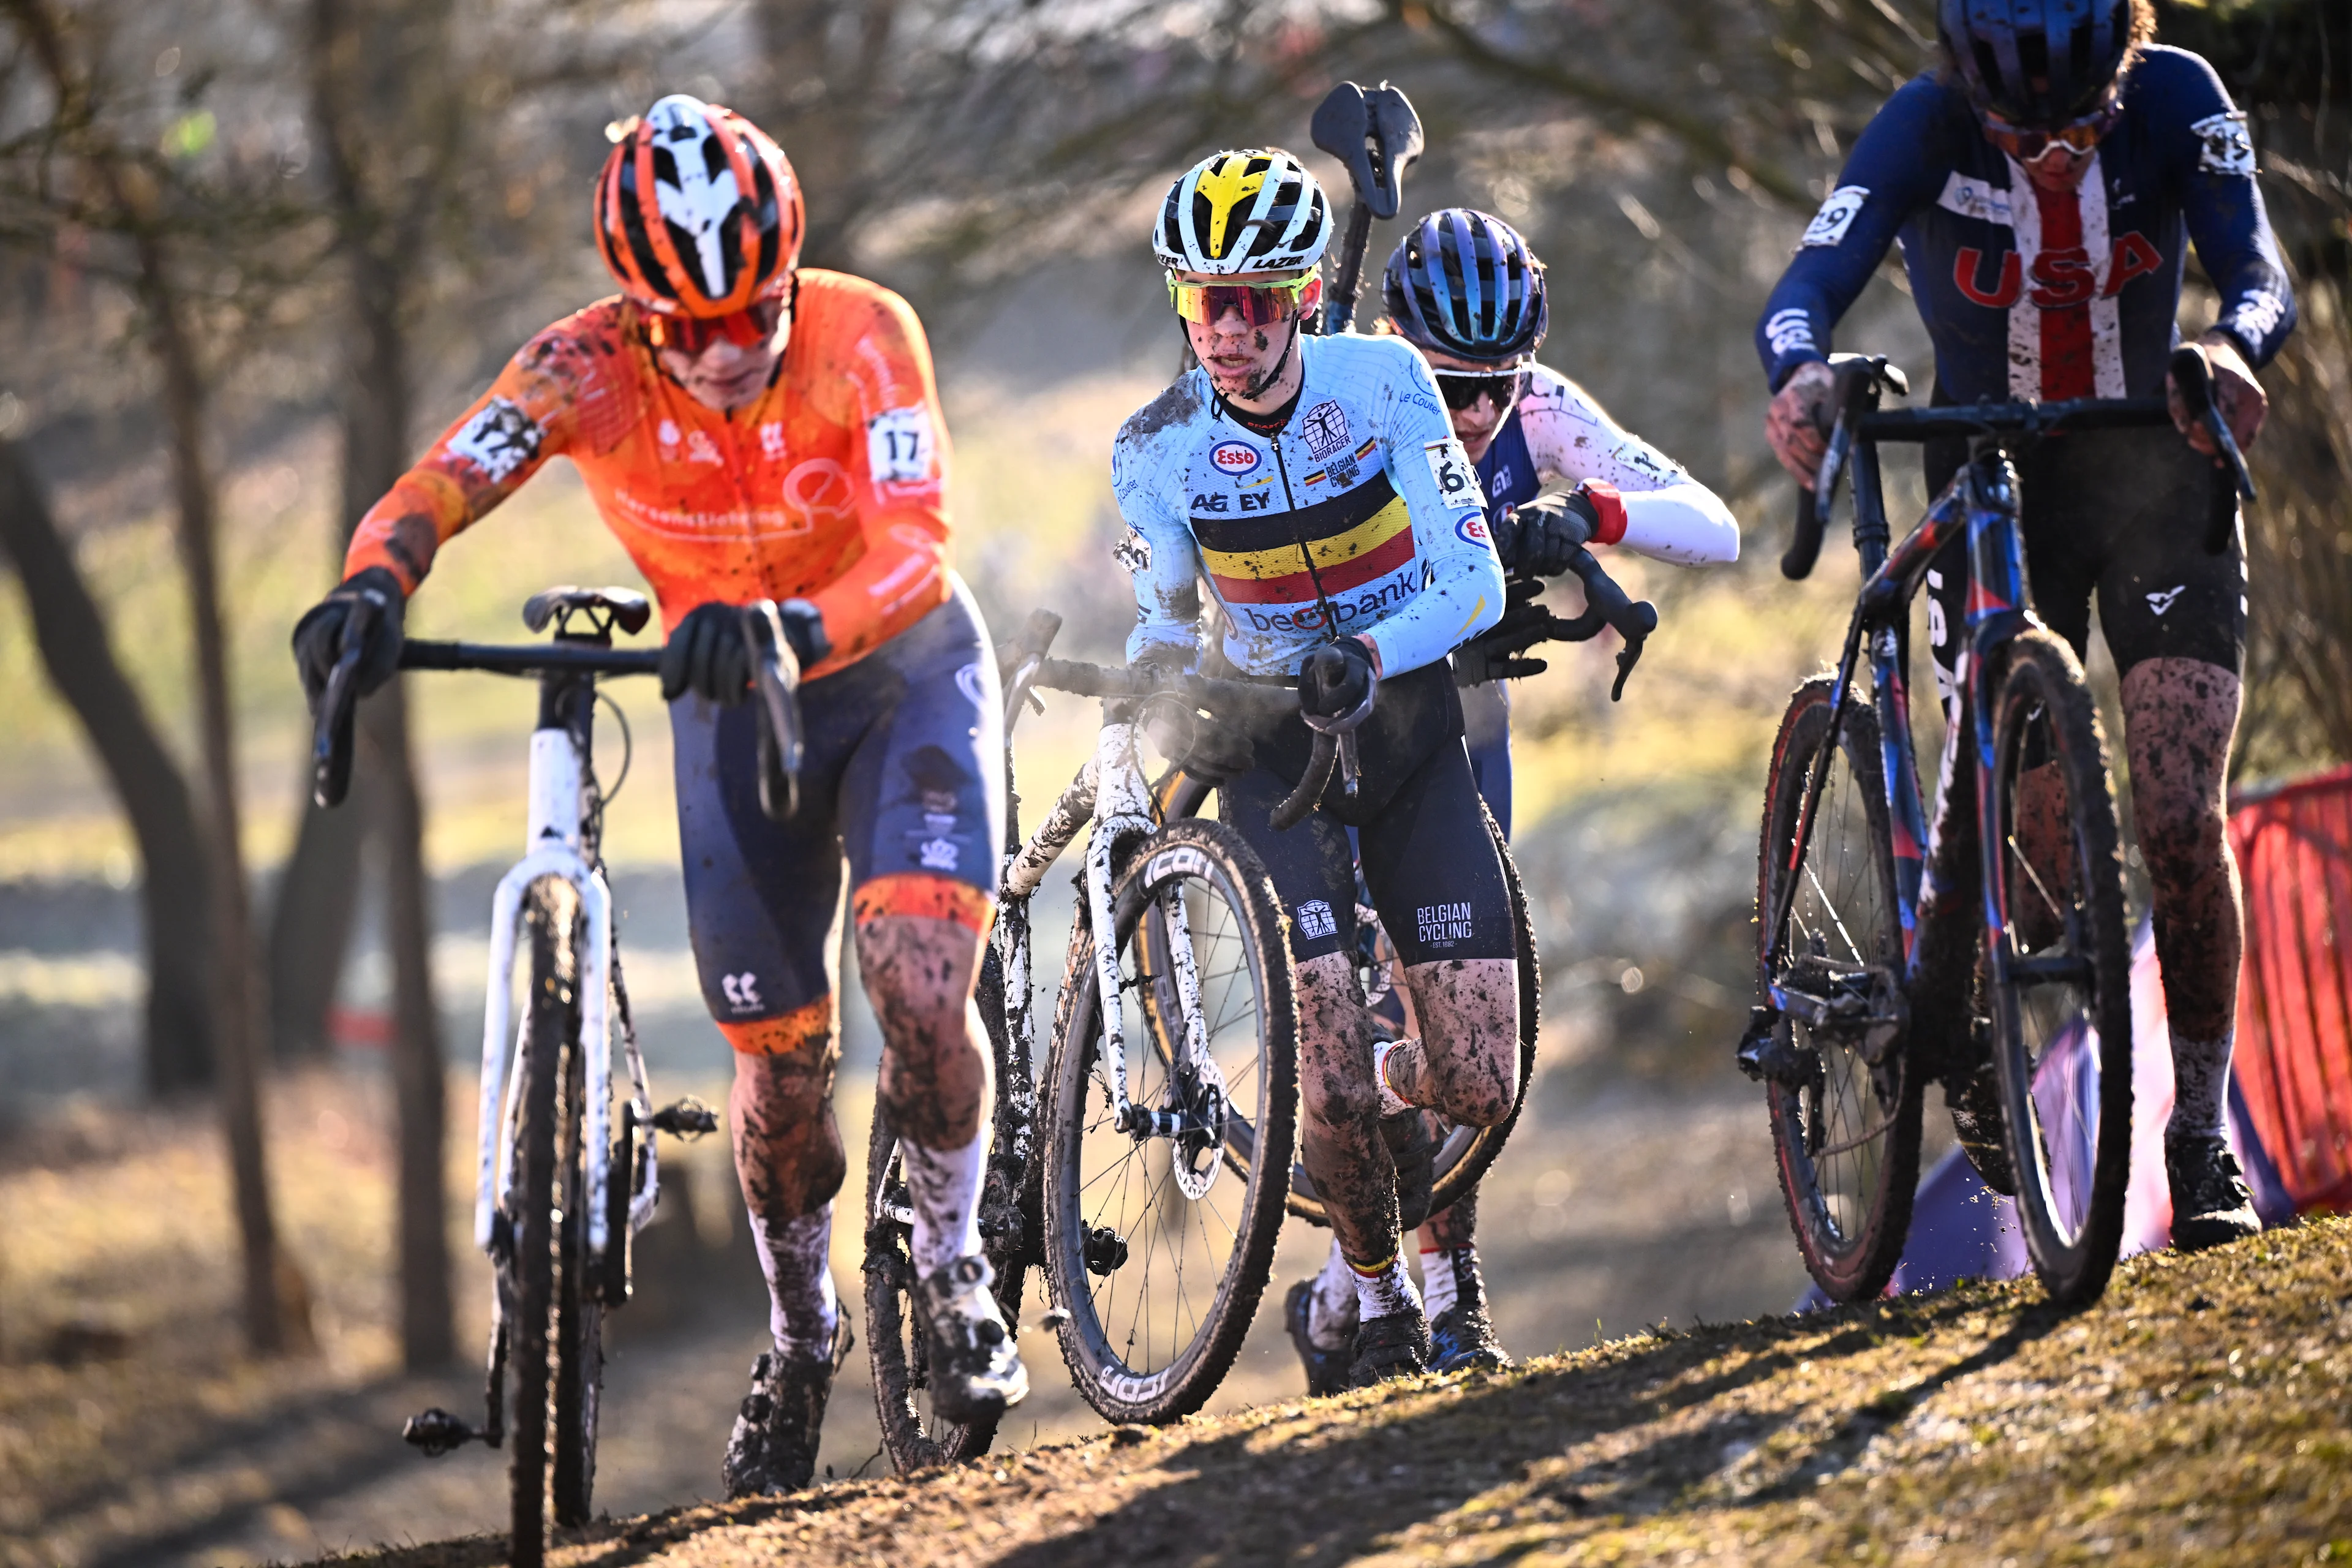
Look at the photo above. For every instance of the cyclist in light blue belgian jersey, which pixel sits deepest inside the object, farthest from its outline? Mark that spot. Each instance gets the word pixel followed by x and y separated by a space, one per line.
pixel 1317 486
pixel 1367 475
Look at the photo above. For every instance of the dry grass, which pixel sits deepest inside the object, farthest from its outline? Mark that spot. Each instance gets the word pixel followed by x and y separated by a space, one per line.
pixel 2196 1414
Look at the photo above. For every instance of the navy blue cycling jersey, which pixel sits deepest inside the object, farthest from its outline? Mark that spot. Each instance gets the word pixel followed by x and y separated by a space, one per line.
pixel 2039 294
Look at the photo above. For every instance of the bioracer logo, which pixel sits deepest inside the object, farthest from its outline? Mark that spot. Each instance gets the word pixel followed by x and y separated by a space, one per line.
pixel 1233 457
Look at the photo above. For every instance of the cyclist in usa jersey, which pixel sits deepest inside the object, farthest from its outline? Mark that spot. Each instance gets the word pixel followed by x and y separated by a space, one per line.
pixel 2045 184
pixel 1315 485
pixel 1466 289
pixel 750 428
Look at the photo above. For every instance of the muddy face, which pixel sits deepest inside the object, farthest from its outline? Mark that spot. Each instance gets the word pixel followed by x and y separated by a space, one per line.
pixel 918 974
pixel 2180 715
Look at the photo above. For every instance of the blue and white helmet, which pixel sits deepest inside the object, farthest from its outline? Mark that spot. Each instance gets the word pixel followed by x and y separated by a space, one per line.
pixel 2036 62
pixel 1465 283
pixel 1253 210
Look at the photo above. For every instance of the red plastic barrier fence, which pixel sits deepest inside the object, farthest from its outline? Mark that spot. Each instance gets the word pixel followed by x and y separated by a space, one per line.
pixel 2295 993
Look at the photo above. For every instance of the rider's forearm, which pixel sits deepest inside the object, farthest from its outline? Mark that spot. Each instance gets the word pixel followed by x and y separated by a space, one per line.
pixel 403 532
pixel 1685 523
pixel 1465 596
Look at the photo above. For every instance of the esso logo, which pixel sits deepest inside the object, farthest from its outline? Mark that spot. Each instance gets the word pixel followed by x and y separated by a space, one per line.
pixel 1233 457
pixel 1473 529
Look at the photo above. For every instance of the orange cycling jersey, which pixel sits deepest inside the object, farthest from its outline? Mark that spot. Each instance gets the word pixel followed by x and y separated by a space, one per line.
pixel 829 488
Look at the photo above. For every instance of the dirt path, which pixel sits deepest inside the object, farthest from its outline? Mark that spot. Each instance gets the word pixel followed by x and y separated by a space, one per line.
pixel 2196 1414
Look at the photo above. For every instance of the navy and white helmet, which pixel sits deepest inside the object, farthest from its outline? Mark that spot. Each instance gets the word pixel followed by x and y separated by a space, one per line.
pixel 2036 62
pixel 1465 283
pixel 1251 210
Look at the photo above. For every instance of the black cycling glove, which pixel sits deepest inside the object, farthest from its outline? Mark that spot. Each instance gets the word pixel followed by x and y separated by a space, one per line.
pixel 1499 653
pixel 707 654
pixel 318 634
pixel 1537 538
pixel 1336 682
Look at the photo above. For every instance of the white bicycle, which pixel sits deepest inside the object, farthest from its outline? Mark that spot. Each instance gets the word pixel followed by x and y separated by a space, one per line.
pixel 560 1193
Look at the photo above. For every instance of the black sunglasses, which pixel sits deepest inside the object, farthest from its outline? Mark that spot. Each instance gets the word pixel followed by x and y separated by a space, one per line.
pixel 1460 388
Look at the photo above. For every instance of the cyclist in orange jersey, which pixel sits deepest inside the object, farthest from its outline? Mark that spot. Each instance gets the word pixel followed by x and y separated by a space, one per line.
pixel 750 428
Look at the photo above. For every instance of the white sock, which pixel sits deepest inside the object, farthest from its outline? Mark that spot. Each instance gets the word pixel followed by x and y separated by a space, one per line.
pixel 1331 1304
pixel 943 1189
pixel 1391 1101
pixel 2201 1089
pixel 803 1310
pixel 1386 1291
pixel 1438 1286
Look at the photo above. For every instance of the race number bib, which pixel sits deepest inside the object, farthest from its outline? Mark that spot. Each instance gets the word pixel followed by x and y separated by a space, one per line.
pixel 1457 481
pixel 899 446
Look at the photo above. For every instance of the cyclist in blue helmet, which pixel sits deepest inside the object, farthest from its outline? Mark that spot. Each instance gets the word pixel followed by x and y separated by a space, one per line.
pixel 2046 181
pixel 1557 472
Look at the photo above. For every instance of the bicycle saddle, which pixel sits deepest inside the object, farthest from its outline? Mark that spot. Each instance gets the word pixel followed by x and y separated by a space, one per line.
pixel 620 607
pixel 1375 134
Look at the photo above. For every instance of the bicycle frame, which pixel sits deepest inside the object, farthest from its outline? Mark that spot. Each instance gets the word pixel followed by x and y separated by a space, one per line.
pixel 1111 792
pixel 560 751
pixel 1982 503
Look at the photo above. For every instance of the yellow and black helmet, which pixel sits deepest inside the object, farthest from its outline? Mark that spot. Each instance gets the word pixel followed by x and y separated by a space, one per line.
pixel 1253 210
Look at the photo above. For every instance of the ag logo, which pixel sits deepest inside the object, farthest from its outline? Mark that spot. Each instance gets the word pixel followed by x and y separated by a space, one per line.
pixel 742 991
pixel 1233 457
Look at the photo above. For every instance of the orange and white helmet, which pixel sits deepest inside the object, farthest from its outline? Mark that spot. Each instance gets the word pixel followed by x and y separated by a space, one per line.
pixel 697 211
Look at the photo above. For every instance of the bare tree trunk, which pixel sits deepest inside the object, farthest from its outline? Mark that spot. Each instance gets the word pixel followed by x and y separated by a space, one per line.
pixel 173 892
pixel 311 923
pixel 384 249
pixel 277 1309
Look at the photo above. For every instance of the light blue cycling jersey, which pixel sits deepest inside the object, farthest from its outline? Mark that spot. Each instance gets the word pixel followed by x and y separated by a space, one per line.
pixel 1365 501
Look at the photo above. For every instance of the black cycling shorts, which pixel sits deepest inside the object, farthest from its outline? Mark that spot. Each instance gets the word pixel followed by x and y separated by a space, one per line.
pixel 904 772
pixel 1427 857
pixel 2119 515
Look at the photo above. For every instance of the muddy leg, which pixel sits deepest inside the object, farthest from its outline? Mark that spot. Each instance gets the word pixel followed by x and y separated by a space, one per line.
pixel 2180 715
pixel 1340 1140
pixel 1467 1062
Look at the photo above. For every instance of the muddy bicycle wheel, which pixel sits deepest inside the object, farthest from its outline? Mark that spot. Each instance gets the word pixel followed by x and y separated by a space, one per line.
pixel 1843 1093
pixel 1159 1240
pixel 1464 1153
pixel 579 1360
pixel 2059 972
pixel 531 1281
pixel 914 1435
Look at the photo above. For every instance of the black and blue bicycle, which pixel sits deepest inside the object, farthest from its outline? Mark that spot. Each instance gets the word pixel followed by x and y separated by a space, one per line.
pixel 1988 951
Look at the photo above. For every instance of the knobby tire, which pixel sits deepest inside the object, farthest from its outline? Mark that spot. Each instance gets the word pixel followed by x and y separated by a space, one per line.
pixel 2042 692
pixel 1850 1260
pixel 1234 876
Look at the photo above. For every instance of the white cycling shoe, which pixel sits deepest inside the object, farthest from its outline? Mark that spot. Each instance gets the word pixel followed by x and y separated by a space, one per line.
pixel 975 1369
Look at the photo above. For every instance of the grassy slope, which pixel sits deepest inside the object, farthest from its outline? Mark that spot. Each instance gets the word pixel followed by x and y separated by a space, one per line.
pixel 2196 1414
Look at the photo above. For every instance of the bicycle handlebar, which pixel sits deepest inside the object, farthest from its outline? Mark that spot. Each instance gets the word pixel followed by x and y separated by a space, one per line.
pixel 1860 379
pixel 776 676
pixel 1255 699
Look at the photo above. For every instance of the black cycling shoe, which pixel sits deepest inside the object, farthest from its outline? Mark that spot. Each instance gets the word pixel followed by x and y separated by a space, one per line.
pixel 1976 1122
pixel 2211 1204
pixel 772 1449
pixel 1396 1345
pixel 1462 1338
pixel 1413 1147
pixel 1326 1371
pixel 976 1371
